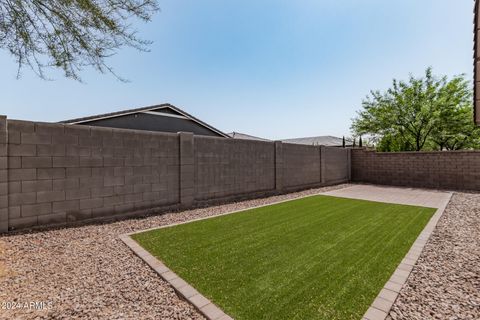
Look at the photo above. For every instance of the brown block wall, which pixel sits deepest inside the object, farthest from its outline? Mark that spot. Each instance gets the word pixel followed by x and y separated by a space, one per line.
pixel 279 165
pixel 54 173
pixel 226 167
pixel 458 170
pixel 3 175
pixel 60 173
pixel 301 165
pixel 337 164
pixel 187 169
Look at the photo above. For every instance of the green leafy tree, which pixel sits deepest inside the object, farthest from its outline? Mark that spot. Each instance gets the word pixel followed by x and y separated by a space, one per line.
pixel 393 143
pixel 70 35
pixel 419 114
pixel 455 129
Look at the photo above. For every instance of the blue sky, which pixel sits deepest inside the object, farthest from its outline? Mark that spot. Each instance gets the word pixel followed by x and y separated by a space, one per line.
pixel 276 69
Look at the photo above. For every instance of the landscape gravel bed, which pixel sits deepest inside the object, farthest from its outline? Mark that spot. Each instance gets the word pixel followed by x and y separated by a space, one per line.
pixel 445 282
pixel 86 272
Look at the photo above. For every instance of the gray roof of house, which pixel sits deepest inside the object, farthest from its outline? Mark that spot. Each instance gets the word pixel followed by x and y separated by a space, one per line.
pixel 238 135
pixel 143 109
pixel 329 141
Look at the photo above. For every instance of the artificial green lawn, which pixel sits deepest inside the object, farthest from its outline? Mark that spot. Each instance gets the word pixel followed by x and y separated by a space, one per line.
pixel 319 257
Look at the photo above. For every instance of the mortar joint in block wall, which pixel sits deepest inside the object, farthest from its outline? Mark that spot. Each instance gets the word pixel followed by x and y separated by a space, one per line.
pixel 322 164
pixel 279 166
pixel 186 169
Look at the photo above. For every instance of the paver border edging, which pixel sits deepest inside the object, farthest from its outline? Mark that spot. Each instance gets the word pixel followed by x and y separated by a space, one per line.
pixel 383 303
pixel 378 310
pixel 207 308
pixel 203 305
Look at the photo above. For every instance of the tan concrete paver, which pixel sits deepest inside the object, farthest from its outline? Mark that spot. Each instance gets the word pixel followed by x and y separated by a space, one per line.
pixel 382 304
pixel 375 314
pixel 408 196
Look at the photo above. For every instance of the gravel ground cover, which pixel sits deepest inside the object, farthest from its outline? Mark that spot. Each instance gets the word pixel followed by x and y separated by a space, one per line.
pixel 2 267
pixel 445 283
pixel 88 273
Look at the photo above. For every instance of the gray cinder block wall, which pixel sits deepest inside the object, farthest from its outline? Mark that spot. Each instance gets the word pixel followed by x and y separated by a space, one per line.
pixel 337 164
pixel 60 173
pixel 3 175
pixel 226 167
pixel 297 170
pixel 54 173
pixel 454 170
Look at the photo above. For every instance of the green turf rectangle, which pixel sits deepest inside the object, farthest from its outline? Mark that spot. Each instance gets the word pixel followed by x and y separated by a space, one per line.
pixel 318 257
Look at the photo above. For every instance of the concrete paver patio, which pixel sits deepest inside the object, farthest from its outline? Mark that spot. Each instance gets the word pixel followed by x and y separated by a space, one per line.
pixel 415 197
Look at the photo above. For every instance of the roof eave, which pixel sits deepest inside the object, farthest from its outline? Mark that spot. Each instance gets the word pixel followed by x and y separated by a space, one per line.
pixel 143 109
